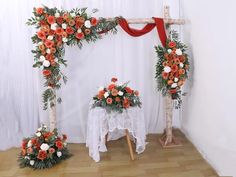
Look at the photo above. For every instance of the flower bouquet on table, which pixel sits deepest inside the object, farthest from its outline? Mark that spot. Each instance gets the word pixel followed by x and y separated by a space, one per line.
pixel 116 97
pixel 43 150
pixel 172 67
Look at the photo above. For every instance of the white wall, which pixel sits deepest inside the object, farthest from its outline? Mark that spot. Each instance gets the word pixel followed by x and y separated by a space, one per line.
pixel 209 112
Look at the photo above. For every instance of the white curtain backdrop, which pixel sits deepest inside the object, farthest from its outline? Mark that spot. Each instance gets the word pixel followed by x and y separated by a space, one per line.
pixel 127 58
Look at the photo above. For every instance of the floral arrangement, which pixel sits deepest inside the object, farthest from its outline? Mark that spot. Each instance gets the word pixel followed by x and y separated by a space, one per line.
pixel 56 28
pixel 116 97
pixel 172 67
pixel 43 150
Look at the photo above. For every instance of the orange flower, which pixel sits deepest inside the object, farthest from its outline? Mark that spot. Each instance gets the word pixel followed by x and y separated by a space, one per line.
pixel 171 77
pixel 24 144
pixel 109 100
pixel 59 144
pixel 60 20
pixel 165 75
pixel 41 35
pixel 172 91
pixel 94 21
pixel 47 72
pixel 59 31
pixel 53 50
pixel 79 35
pixel 174 68
pixel 64 137
pixel 42 47
pixel 176 60
pixel 23 152
pixel 180 83
pixel 181 71
pixel 64 34
pixel 39 11
pixel 136 92
pixel 29 150
pixel 49 43
pixel 114 79
pixel 117 99
pixel 126 103
pixel 165 63
pixel 65 16
pixel 170 82
pixel 51 150
pixel 80 20
pixel 87 31
pixel 111 86
pixel 114 92
pixel 128 90
pixel 42 155
pixel 172 44
pixel 71 22
pixel 69 30
pixel 51 19
pixel 182 58
pixel 45 28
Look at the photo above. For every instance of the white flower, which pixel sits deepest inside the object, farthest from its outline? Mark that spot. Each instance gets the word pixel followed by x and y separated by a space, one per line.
pixel 38 134
pixel 54 26
pixel 174 85
pixel 42 58
pixel 181 65
pixel 169 50
pixel 44 146
pixel 79 30
pixel 101 88
pixel 64 144
pixel 87 24
pixel 46 63
pixel 48 51
pixel 167 69
pixel 72 14
pixel 39 129
pixel 64 26
pixel 57 15
pixel 31 162
pixel 106 94
pixel 29 143
pixel 50 37
pixel 178 52
pixel 40 43
pixel 176 79
pixel 59 154
pixel 27 157
pixel 64 39
pixel 120 93
pixel 44 126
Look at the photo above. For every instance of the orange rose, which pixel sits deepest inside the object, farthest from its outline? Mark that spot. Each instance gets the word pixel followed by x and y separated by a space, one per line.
pixel 111 86
pixel 59 31
pixel 174 68
pixel 47 72
pixel 172 44
pixel 69 30
pixel 165 75
pixel 60 20
pixel 41 35
pixel 172 91
pixel 64 34
pixel 39 11
pixel 117 99
pixel 59 144
pixel 128 90
pixel 126 103
pixel 109 100
pixel 181 71
pixel 29 150
pixel 71 22
pixel 180 83
pixel 176 60
pixel 49 43
pixel 170 82
pixel 23 152
pixel 87 31
pixel 51 150
pixel 42 155
pixel 94 21
pixel 51 19
pixel 114 92
pixel 136 92
pixel 114 79
pixel 79 35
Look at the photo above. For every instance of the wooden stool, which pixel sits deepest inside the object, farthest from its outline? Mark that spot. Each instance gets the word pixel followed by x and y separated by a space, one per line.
pixel 129 144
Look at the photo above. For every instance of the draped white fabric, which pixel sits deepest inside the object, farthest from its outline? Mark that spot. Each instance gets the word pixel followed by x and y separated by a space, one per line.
pixel 128 58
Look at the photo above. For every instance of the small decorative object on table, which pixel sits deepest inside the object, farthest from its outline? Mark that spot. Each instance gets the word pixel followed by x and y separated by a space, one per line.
pixel 171 73
pixel 116 97
pixel 116 110
pixel 43 150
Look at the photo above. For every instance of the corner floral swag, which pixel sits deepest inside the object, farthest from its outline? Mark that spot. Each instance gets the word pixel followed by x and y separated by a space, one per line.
pixel 54 29
pixel 43 150
pixel 116 97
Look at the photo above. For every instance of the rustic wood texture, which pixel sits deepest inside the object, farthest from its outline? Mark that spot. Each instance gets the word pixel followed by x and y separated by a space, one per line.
pixel 182 161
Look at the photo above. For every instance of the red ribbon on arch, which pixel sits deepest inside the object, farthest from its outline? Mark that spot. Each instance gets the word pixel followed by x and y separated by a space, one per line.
pixel 159 24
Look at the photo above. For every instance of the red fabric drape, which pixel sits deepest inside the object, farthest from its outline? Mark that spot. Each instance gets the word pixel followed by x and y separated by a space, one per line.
pixel 159 24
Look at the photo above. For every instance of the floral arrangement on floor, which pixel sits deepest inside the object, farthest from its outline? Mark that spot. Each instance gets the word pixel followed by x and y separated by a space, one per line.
pixel 43 150
pixel 172 67
pixel 116 97
pixel 54 29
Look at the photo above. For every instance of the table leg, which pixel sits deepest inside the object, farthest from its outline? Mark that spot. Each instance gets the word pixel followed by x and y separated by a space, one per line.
pixel 130 145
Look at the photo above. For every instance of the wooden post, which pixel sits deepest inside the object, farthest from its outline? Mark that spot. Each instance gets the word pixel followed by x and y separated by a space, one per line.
pixel 52 112
pixel 168 140
pixel 129 144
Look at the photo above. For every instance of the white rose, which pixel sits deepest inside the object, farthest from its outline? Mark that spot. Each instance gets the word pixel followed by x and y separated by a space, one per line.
pixel 48 51
pixel 57 15
pixel 54 26
pixel 29 143
pixel 64 39
pixel 87 24
pixel 32 162
pixel 42 58
pixel 64 144
pixel 39 129
pixel 169 50
pixel 176 79
pixel 73 14
pixel 178 52
pixel 46 63
pixel 101 88
pixel 64 26
pixel 181 65
pixel 174 85
pixel 38 134
pixel 106 94
pixel 167 69
pixel 44 147
pixel 79 30
pixel 59 154
pixel 40 43
pixel 120 93
pixel 50 37
pixel 27 157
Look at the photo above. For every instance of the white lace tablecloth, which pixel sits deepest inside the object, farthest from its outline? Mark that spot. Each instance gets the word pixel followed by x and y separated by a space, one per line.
pixel 100 123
